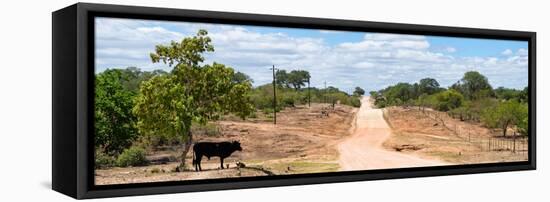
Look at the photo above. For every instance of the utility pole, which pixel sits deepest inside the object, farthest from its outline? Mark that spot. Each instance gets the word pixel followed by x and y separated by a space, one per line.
pixel 274 96
pixel 325 94
pixel 308 93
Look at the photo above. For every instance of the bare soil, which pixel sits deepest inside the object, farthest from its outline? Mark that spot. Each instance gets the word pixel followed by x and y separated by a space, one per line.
pixel 303 141
pixel 364 149
pixel 455 141
pixel 306 140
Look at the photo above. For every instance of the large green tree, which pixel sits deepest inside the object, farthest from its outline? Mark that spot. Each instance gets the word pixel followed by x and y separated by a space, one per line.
pixel 282 78
pixel 114 121
pixel 399 94
pixel 240 77
pixel 298 78
pixel 474 85
pixel 358 91
pixel 428 86
pixel 192 93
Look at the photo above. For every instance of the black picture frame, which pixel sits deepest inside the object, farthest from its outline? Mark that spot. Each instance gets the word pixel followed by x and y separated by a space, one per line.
pixel 73 100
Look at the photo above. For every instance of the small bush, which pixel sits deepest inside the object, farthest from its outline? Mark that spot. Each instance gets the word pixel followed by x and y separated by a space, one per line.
pixel 355 101
pixel 288 102
pixel 133 156
pixel 103 160
pixel 268 111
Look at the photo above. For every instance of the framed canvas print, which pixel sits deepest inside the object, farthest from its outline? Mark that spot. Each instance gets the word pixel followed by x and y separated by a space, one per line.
pixel 155 100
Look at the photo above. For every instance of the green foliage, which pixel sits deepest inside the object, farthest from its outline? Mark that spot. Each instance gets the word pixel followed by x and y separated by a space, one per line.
pixel 428 86
pixel 114 121
pixel 505 114
pixel 132 77
pixel 281 77
pixel 474 85
pixel 188 52
pixel 160 108
pixel 395 95
pixel 102 160
pixel 406 94
pixel 470 99
pixel 295 79
pixel 355 101
pixel 523 122
pixel 240 77
pixel 262 97
pixel 337 96
pixel 298 78
pixel 448 100
pixel 524 95
pixel 509 94
pixel 358 91
pixel 133 156
pixel 192 93
pixel 472 109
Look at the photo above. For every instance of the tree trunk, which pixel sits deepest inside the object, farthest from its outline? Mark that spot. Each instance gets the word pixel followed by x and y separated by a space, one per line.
pixel 186 146
pixel 504 129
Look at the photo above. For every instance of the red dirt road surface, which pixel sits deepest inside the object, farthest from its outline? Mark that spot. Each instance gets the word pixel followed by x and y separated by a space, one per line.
pixel 363 150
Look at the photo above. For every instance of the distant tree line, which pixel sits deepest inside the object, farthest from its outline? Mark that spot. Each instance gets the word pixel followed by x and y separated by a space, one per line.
pixel 472 98
pixel 262 97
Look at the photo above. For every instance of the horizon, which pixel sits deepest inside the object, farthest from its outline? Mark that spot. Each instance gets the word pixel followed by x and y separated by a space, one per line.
pixel 343 59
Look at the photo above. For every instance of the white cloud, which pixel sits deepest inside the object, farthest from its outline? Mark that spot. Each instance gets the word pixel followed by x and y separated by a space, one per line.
pixel 507 52
pixel 522 52
pixel 450 49
pixel 376 61
pixel 323 31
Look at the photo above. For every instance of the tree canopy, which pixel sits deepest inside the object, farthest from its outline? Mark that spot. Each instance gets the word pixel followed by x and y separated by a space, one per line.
pixel 170 104
pixel 474 85
pixel 449 99
pixel 114 121
pixel 506 114
pixel 428 86
pixel 295 78
pixel 471 98
pixel 358 91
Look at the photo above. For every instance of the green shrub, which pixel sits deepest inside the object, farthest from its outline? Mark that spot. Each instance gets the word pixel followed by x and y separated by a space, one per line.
pixel 448 100
pixel 102 160
pixel 270 110
pixel 288 102
pixel 355 101
pixel 133 156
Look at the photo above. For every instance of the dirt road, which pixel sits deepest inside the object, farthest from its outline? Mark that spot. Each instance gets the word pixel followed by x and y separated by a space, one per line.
pixel 363 149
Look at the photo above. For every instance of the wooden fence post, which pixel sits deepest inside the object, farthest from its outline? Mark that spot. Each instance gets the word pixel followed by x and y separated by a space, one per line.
pixel 514 150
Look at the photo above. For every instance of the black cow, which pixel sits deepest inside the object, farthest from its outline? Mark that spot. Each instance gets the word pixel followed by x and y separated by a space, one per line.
pixel 209 149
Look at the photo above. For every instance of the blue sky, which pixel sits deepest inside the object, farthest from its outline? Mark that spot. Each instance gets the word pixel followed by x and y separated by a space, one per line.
pixel 342 59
